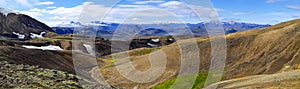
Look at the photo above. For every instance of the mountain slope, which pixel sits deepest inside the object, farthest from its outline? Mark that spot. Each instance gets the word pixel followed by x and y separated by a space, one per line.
pixel 263 51
pixel 288 80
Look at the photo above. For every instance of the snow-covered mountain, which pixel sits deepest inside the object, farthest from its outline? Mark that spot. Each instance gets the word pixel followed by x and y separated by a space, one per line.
pixel 78 24
pixel 107 29
pixel 70 24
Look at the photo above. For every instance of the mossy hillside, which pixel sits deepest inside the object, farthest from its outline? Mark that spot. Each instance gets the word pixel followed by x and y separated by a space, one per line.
pixel 26 76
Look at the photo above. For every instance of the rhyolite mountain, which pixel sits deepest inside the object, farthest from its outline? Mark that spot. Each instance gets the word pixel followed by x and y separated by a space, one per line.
pixel 12 22
pixel 266 58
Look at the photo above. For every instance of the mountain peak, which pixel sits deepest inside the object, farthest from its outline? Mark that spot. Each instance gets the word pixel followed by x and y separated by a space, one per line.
pixel 6 11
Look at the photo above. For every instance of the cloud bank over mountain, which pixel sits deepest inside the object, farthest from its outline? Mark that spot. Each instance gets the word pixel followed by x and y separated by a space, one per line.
pixel 153 11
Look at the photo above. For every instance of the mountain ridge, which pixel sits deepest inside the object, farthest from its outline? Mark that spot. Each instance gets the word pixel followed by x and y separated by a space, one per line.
pixel 106 30
pixel 12 23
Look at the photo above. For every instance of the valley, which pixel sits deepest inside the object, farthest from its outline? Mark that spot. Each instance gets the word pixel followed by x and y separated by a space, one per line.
pixel 258 56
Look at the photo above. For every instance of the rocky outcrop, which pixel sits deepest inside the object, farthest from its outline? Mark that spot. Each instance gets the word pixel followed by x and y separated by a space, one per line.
pixel 20 43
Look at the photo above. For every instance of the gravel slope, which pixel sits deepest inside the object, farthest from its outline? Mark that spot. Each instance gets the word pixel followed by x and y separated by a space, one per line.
pixel 284 80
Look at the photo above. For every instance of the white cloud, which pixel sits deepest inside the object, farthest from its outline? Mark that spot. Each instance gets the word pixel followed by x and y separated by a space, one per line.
pixel 192 11
pixel 55 15
pixel 294 7
pixel 31 13
pixel 15 4
pixel 272 1
pixel 133 6
pixel 242 12
pixel 38 10
pixel 44 3
pixel 135 18
pixel 89 11
pixel 230 19
pixel 62 11
pixel 282 16
pixel 148 2
pixel 35 12
pixel 172 4
pixel 51 7
pixel 24 3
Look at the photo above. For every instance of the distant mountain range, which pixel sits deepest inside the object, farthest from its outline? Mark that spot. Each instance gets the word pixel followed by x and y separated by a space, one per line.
pixel 106 30
pixel 18 25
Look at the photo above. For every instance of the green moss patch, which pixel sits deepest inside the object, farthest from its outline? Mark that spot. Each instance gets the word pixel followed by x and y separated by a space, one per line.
pixel 199 82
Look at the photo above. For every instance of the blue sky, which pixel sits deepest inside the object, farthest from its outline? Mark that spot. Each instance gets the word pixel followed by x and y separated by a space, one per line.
pixel 54 12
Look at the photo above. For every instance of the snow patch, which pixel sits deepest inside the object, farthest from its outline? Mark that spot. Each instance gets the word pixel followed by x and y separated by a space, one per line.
pixel 20 36
pixel 89 49
pixel 50 47
pixel 6 12
pixel 135 87
pixel 79 51
pixel 36 35
pixel 95 24
pixel 152 45
pixel 155 40
pixel 70 24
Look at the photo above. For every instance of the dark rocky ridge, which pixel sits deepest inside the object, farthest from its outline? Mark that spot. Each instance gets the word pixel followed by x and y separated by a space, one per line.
pixel 20 43
pixel 20 23
pixel 46 59
pixel 103 47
